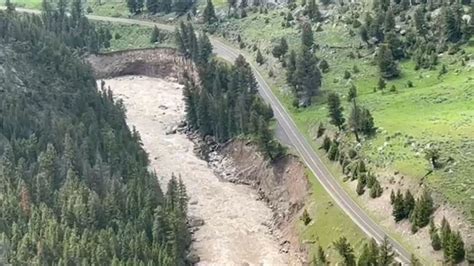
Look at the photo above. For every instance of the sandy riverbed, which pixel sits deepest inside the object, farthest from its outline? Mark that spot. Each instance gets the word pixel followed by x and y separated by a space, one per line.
pixel 235 231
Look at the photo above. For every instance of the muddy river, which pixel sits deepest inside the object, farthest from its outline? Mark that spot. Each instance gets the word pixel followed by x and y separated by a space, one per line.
pixel 235 230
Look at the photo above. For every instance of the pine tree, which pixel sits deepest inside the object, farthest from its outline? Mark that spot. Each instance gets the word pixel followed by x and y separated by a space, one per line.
pixel 398 211
pixel 408 203
pixel 132 6
pixel 389 23
pixel 454 252
pixel 205 49
pixel 209 14
pixel 435 241
pixel 344 249
pixel 451 25
pixel 335 110
pixel 326 143
pixel 360 189
pixel 307 76
pixel 291 69
pixel 152 6
pixel 387 65
pixel 307 38
pixel 10 6
pixel 312 10
pixel 373 252
pixel 423 210
pixel 155 35
pixel 260 60
pixel 445 232
pixel 352 94
pixel 204 117
pixel 333 151
pixel 364 258
pixel 190 105
pixel 321 257
pixel 376 190
pixel 386 255
pixel 164 6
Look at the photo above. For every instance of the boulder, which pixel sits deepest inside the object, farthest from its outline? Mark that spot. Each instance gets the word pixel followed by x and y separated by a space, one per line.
pixel 192 258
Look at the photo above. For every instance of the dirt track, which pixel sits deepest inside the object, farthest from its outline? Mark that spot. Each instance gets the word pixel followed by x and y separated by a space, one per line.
pixel 235 231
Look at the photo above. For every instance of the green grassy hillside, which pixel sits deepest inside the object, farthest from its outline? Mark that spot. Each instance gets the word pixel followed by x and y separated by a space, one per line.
pixel 437 110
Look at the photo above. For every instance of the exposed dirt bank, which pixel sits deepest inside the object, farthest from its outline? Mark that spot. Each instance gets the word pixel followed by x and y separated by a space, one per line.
pixel 282 184
pixel 156 62
pixel 237 226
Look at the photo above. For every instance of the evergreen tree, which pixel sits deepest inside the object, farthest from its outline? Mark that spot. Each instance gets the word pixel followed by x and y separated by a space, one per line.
pixel 445 232
pixel 260 60
pixel 373 252
pixel 307 76
pixel 312 10
pixel 352 94
pixel 205 49
pixel 408 203
pixel 360 189
pixel 345 250
pixel 209 14
pixel 435 241
pixel 291 68
pixel 387 65
pixel 423 210
pixel 335 110
pixel 321 257
pixel 398 211
pixel 389 23
pixel 280 49
pixel 420 23
pixel 132 6
pixel 10 6
pixel 326 143
pixel 164 6
pixel 454 251
pixel 386 255
pixel 204 117
pixel 307 38
pixel 364 258
pixel 451 25
pixel 152 6
pixel 155 35
pixel 376 190
pixel 190 105
pixel 333 151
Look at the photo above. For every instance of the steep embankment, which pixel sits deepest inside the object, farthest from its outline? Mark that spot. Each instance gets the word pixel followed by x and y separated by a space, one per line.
pixel 282 184
pixel 236 227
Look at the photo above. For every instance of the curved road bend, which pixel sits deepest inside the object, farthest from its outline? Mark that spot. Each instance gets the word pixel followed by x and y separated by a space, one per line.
pixel 299 142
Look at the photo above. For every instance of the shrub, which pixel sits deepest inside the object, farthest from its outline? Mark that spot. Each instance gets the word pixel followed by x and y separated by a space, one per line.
pixel 320 131
pixel 305 217
pixel 333 151
pixel 347 74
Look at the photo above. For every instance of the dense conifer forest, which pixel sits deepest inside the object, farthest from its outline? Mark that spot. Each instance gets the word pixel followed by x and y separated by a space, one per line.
pixel 74 183
pixel 225 103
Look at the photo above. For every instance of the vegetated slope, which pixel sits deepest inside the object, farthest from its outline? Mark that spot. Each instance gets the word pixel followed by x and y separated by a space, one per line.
pixel 74 184
pixel 424 108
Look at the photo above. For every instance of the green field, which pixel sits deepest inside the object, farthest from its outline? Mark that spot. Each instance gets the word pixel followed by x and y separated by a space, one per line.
pixel 328 224
pixel 436 110
pixel 132 37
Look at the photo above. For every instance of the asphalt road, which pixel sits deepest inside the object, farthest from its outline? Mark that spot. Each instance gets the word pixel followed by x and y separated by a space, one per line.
pixel 297 139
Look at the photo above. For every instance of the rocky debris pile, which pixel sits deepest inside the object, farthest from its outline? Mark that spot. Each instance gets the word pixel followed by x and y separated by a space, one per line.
pixel 193 225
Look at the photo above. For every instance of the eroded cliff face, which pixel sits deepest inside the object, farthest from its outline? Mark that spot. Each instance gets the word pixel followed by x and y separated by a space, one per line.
pixel 282 184
pixel 163 63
